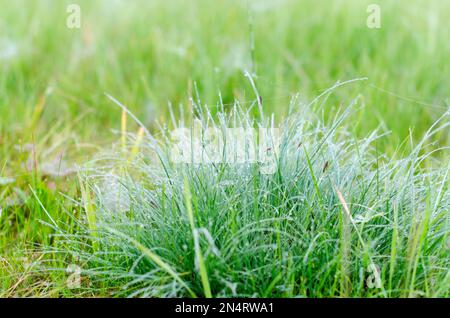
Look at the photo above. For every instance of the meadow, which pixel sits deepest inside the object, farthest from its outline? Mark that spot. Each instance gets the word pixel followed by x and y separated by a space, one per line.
pixel 361 192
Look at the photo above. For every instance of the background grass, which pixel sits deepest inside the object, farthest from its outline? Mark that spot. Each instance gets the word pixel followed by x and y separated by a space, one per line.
pixel 152 53
pixel 161 229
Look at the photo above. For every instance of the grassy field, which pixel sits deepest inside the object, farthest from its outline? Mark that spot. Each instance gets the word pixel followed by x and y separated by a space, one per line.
pixel 156 55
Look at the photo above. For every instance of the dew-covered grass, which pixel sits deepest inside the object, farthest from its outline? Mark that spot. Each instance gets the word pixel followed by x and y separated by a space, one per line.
pixel 334 218
pixel 56 122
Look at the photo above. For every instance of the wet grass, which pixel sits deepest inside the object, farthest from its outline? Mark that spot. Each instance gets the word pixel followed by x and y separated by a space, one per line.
pixel 54 115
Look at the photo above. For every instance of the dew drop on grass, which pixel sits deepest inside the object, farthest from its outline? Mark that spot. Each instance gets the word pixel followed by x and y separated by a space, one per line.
pixel 8 49
pixel 6 180
pixel 115 196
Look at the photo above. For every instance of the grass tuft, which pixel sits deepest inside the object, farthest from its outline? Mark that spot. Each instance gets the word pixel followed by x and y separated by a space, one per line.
pixel 335 218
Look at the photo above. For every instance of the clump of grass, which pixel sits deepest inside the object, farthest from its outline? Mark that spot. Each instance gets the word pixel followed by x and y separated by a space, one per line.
pixel 335 219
